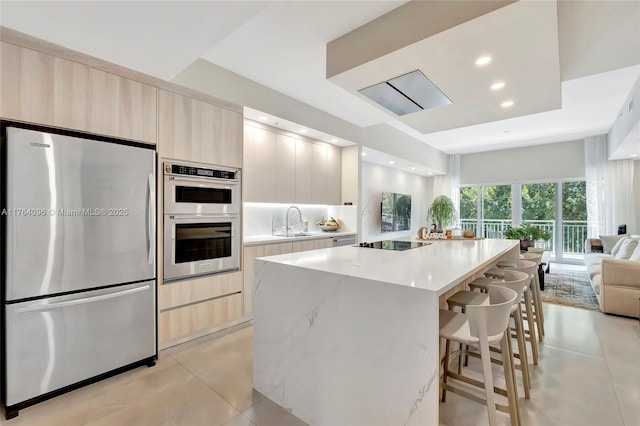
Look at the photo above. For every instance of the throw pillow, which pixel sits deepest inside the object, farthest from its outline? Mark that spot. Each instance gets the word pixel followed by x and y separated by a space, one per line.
pixel 626 249
pixel 608 241
pixel 636 254
pixel 616 247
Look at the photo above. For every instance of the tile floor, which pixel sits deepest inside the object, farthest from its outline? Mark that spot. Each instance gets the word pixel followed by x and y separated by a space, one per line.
pixel 588 375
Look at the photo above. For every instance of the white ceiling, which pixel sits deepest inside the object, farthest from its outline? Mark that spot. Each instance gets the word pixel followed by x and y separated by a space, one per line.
pixel 282 45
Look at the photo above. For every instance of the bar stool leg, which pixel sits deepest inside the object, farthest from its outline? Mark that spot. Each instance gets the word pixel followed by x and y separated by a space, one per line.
pixel 538 305
pixel 488 381
pixel 532 326
pixel 522 352
pixel 509 375
pixel 447 348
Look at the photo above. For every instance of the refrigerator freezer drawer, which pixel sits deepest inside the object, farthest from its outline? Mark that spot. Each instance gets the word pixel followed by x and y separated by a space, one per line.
pixel 59 341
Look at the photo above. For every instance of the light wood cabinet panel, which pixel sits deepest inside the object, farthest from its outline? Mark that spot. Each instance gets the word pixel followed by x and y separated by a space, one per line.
pixel 334 175
pixel 179 322
pixel 285 169
pixel 250 253
pixel 44 89
pixel 264 151
pixel 248 165
pixel 193 130
pixel 324 243
pixel 198 289
pixel 303 171
pixel 120 107
pixel 298 246
pixel 319 174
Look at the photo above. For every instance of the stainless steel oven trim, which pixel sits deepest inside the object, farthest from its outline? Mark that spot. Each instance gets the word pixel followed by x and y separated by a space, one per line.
pixel 175 272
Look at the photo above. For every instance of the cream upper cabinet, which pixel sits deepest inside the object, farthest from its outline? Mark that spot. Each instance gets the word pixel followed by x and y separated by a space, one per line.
pixel 248 165
pixel 319 174
pixel 45 89
pixel 193 130
pixel 264 152
pixel 304 153
pixel 280 168
pixel 334 173
pixel 285 169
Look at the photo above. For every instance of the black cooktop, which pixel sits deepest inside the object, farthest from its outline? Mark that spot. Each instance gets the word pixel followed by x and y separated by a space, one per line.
pixel 392 245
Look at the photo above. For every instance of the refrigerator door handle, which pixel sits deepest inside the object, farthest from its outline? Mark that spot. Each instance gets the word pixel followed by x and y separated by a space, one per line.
pixel 152 218
pixel 50 306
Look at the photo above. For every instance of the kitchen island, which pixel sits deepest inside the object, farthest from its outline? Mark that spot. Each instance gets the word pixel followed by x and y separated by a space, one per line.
pixel 349 335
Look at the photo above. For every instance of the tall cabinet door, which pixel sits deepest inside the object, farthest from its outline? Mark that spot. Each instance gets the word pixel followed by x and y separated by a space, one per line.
pixel 285 169
pixel 192 130
pixel 304 154
pixel 319 174
pixel 264 151
pixel 91 214
pixel 334 175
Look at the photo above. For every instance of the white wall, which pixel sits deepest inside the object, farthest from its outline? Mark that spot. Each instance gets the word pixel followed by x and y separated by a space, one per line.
pixel 624 136
pixel 377 179
pixel 549 162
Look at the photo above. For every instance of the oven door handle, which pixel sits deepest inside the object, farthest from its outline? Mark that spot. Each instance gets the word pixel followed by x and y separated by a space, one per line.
pixel 203 216
pixel 151 220
pixel 204 180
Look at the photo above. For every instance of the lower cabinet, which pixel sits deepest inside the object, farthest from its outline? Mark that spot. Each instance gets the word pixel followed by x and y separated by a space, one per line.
pixel 252 252
pixel 193 307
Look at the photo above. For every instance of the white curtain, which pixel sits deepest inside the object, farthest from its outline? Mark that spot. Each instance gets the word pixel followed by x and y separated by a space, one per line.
pixel 449 184
pixel 610 197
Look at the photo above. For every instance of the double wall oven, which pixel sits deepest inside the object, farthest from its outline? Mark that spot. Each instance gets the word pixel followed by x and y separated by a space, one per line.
pixel 201 220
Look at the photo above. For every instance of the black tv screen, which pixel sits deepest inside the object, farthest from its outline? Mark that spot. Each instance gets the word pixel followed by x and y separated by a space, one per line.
pixel 396 212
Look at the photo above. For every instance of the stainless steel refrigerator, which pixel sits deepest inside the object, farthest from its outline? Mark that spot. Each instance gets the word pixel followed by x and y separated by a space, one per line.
pixel 80 262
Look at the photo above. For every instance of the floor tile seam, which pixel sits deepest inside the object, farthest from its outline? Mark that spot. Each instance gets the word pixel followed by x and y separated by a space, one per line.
pixel 615 390
pixel 575 352
pixel 223 398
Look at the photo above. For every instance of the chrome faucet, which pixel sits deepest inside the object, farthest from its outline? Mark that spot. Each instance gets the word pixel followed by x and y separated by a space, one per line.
pixel 286 220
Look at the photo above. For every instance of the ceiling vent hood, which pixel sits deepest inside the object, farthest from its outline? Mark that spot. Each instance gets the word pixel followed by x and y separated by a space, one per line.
pixel 407 93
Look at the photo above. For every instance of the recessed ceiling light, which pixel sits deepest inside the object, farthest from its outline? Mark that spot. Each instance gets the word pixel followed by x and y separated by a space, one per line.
pixel 334 140
pixel 633 155
pixel 263 117
pixel 303 130
pixel 363 153
pixel 430 173
pixel 413 168
pixel 507 104
pixel 483 60
pixel 497 85
pixel 391 162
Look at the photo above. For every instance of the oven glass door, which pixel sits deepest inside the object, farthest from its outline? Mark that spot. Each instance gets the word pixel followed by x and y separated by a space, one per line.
pixel 202 241
pixel 201 196
pixel 192 194
pixel 200 245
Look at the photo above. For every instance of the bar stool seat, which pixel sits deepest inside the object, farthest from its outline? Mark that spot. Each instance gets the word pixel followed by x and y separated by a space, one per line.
pixel 481 326
pixel 463 298
pixel 506 264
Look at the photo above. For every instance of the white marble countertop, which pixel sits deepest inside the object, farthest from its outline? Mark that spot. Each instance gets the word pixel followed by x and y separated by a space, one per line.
pixel 271 239
pixel 436 267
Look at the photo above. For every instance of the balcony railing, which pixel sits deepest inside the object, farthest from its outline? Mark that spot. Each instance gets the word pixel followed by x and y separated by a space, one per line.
pixel 574 232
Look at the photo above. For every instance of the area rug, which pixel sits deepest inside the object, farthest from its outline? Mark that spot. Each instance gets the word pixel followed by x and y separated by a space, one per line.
pixel 570 288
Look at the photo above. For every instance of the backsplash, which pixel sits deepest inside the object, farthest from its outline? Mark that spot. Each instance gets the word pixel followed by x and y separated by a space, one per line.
pixel 258 218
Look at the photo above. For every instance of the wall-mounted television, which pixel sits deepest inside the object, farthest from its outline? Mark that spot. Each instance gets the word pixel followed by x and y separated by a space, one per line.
pixel 395 212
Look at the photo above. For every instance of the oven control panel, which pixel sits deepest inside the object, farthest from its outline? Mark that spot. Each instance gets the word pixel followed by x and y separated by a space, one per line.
pixel 180 169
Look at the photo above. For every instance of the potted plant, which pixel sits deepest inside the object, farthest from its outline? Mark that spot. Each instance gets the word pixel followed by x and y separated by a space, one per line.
pixel 442 211
pixel 527 234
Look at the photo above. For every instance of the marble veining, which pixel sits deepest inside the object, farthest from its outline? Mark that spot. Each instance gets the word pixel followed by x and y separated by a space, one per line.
pixel 327 346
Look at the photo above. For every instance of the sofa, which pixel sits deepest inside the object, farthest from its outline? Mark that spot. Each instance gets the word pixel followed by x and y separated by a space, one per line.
pixel 613 266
